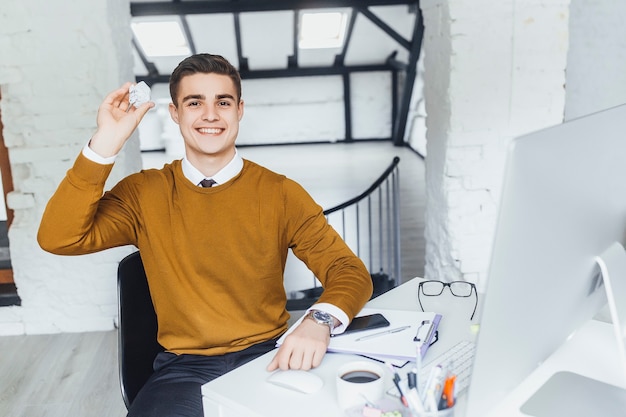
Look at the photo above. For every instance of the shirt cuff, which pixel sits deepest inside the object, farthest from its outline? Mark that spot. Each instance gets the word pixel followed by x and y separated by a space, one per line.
pixel 94 157
pixel 334 311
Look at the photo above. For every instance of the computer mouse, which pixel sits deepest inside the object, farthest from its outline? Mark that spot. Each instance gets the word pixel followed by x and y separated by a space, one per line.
pixel 297 380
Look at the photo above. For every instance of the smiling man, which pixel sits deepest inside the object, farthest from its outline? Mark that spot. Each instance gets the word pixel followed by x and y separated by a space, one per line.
pixel 214 232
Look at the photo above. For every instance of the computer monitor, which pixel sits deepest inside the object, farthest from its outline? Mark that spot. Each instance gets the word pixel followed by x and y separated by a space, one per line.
pixel 563 203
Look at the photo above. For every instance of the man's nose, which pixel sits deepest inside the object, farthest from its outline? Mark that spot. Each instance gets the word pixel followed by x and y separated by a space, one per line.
pixel 210 113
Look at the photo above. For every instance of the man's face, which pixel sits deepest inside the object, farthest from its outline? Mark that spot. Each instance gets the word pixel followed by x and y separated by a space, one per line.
pixel 208 115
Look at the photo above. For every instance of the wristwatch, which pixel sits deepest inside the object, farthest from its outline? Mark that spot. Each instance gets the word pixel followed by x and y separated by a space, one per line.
pixel 321 317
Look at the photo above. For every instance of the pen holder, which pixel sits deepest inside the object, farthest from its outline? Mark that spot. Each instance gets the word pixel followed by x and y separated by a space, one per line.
pixel 446 412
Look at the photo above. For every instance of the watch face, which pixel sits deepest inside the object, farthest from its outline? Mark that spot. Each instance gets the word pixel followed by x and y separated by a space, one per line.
pixel 322 316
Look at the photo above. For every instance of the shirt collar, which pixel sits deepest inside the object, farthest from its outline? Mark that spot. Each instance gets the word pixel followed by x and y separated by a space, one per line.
pixel 224 175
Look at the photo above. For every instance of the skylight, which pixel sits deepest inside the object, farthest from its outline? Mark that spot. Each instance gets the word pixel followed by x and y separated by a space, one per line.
pixel 161 38
pixel 322 30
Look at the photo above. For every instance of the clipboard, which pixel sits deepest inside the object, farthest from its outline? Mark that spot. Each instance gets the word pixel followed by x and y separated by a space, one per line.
pixel 385 343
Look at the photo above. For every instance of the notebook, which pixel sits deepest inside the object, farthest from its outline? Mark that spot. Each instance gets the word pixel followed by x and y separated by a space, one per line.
pixel 393 343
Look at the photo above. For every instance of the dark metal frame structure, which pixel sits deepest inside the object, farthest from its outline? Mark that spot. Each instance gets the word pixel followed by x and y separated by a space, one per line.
pixel 403 73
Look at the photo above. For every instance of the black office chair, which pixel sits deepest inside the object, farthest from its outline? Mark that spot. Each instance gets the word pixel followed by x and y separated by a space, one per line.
pixel 137 335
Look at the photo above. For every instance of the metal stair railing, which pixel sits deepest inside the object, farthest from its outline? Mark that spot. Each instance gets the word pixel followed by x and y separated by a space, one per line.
pixel 370 224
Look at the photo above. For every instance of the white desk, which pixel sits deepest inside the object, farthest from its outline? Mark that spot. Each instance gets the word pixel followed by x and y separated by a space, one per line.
pixel 245 393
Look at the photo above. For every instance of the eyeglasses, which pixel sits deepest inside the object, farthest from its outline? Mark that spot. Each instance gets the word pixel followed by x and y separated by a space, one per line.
pixel 434 288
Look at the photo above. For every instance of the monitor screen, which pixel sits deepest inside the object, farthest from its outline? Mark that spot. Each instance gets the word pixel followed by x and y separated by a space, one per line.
pixel 563 203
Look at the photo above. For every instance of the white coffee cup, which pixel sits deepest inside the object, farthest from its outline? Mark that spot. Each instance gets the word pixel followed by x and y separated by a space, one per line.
pixel 358 383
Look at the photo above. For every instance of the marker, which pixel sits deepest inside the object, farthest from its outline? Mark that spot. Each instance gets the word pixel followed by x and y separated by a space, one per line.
pixel 415 403
pixel 448 391
pixel 433 388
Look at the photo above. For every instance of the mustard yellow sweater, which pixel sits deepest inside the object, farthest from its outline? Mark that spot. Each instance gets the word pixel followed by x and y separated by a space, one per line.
pixel 214 257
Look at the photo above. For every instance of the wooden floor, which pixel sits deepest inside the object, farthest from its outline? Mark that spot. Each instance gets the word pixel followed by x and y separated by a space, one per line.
pixel 61 375
pixel 75 374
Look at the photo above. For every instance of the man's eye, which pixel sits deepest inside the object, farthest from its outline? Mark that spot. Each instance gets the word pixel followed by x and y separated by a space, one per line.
pixel 193 104
pixel 224 103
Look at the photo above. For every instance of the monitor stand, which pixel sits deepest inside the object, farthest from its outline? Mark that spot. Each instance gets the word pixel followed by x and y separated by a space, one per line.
pixel 574 395
pixel 612 264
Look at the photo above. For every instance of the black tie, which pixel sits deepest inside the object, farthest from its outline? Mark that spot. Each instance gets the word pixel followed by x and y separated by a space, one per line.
pixel 207 183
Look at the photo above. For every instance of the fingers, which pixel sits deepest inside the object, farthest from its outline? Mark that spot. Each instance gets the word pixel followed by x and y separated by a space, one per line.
pixel 119 97
pixel 303 349
pixel 119 100
pixel 298 358
pixel 273 365
pixel 141 111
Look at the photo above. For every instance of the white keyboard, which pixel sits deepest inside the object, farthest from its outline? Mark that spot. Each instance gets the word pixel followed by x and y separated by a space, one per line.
pixel 458 359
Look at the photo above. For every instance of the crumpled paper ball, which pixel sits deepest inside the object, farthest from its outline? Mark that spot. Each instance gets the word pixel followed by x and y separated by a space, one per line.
pixel 139 94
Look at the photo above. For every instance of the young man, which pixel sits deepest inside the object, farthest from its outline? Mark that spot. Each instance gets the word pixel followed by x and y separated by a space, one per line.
pixel 214 254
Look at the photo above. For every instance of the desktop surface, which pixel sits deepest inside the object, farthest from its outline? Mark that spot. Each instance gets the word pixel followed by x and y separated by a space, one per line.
pixel 245 392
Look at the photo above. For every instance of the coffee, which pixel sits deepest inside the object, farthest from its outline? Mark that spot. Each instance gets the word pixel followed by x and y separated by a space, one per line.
pixel 359 382
pixel 360 377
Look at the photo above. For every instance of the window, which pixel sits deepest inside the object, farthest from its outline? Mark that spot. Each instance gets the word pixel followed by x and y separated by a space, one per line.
pixel 322 29
pixel 161 38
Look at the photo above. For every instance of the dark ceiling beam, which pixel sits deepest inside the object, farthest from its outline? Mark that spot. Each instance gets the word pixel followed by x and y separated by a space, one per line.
pixel 243 61
pixel 241 6
pixel 399 125
pixel 190 42
pixel 288 72
pixel 292 60
pixel 150 67
pixel 339 58
pixel 385 27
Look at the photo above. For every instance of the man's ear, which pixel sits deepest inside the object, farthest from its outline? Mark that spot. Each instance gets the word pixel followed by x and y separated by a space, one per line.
pixel 173 112
pixel 240 109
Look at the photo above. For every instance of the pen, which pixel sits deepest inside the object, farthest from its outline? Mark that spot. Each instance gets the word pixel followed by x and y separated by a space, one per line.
pixel 418 364
pixel 415 403
pixel 412 378
pixel 396 382
pixel 433 388
pixel 372 336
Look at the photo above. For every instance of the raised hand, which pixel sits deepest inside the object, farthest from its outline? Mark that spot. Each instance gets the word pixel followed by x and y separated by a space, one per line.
pixel 117 120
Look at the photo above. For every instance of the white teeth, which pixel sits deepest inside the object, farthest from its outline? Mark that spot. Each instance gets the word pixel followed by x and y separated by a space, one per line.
pixel 211 131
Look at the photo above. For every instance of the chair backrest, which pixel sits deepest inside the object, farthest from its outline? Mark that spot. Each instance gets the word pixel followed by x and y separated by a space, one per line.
pixel 137 335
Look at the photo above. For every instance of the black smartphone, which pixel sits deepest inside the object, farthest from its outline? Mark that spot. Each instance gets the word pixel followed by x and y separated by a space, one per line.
pixel 371 321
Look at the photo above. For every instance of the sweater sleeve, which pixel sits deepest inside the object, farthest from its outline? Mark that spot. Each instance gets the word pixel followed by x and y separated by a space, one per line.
pixel 346 281
pixel 79 219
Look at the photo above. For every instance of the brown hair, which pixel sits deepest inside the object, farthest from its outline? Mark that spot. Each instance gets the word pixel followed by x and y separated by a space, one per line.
pixel 203 63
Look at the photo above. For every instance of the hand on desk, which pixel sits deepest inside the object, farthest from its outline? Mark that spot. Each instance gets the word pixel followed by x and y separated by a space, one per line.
pixel 303 348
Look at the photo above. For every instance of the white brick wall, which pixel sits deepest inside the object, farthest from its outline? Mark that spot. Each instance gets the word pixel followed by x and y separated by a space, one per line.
pixel 492 71
pixel 58 60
